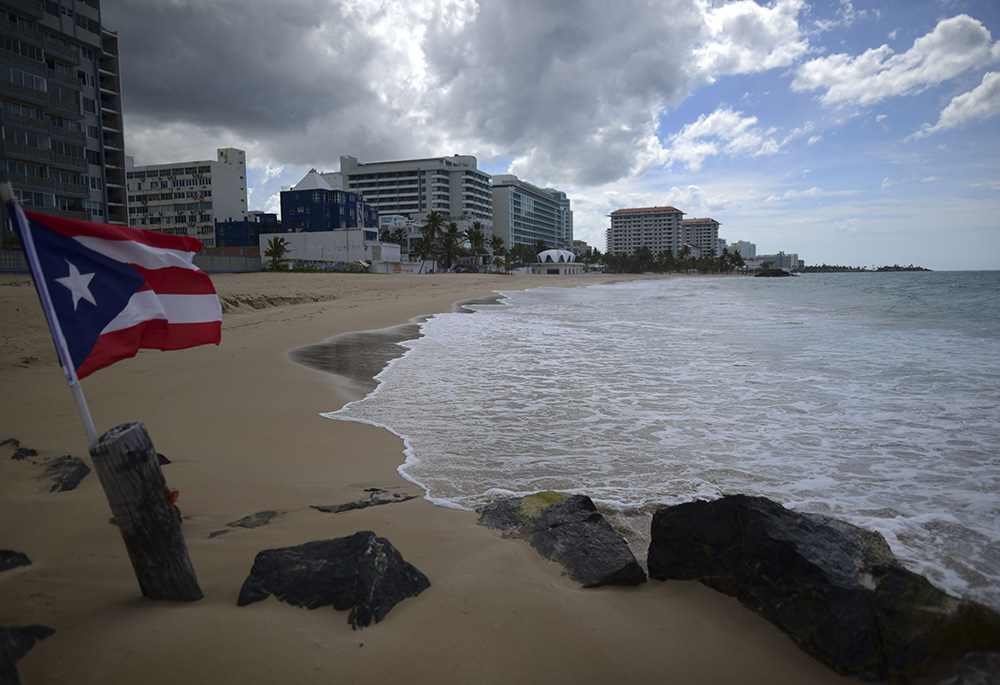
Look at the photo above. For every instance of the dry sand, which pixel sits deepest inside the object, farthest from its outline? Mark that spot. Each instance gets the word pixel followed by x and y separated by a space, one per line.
pixel 241 425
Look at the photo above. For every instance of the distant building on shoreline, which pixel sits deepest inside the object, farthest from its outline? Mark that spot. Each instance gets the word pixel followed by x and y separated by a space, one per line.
pixel 524 214
pixel 185 198
pixel 453 186
pixel 312 205
pixel 658 228
pixel 705 234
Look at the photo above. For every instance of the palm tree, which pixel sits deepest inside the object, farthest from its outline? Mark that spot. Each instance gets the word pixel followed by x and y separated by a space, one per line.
pixel 450 247
pixel 497 245
pixel 277 248
pixel 433 224
pixel 477 241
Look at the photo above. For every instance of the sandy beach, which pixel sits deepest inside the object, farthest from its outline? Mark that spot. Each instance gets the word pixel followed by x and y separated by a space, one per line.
pixel 241 425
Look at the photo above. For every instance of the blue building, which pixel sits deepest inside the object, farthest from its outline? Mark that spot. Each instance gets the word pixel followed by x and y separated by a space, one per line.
pixel 313 205
pixel 245 232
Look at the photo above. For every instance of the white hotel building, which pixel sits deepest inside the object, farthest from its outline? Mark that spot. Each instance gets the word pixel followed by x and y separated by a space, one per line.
pixel 658 228
pixel 185 198
pixel 452 186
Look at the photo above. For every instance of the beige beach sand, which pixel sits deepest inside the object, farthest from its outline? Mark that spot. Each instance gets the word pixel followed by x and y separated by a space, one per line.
pixel 241 425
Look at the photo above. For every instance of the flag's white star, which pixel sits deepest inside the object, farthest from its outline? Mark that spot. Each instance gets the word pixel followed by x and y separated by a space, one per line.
pixel 78 284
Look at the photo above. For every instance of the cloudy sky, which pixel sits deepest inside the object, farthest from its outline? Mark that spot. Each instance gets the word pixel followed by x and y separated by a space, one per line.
pixel 849 132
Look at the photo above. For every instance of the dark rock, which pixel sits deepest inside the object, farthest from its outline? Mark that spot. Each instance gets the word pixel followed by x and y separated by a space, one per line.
pixel 22 453
pixel 10 559
pixel 15 643
pixel 378 496
pixel 835 589
pixel 65 473
pixel 362 572
pixel 570 530
pixel 772 273
pixel 162 459
pixel 11 441
pixel 261 518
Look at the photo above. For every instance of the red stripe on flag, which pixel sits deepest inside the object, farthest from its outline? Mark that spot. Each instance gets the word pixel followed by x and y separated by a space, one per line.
pixel 157 334
pixel 175 280
pixel 73 227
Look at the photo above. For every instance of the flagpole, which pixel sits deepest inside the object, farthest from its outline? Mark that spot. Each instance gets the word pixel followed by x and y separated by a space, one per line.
pixel 62 350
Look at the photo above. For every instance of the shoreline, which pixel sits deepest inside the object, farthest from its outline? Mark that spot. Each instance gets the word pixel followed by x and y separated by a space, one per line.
pixel 241 426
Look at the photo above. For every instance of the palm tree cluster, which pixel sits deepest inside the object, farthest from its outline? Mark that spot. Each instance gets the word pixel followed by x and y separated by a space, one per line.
pixel 643 260
pixel 441 240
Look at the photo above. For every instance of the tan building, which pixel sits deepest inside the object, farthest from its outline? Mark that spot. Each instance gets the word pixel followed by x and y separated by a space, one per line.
pixel 658 228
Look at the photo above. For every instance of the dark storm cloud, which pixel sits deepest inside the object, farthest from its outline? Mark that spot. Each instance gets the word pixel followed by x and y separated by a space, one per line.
pixel 571 91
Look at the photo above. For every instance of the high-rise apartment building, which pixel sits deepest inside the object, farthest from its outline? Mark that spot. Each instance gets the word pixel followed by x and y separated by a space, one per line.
pixel 524 214
pixel 704 233
pixel 185 198
pixel 60 110
pixel 658 228
pixel 452 186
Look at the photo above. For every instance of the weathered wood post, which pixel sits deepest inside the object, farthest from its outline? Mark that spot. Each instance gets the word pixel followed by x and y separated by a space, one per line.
pixel 129 470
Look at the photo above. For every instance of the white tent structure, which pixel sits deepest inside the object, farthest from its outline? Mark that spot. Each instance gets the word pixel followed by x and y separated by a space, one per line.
pixel 556 257
pixel 556 262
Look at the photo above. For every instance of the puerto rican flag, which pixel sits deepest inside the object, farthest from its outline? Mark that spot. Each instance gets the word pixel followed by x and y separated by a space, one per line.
pixel 115 290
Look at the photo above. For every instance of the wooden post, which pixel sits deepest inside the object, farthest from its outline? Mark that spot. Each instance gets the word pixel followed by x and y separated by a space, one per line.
pixel 129 470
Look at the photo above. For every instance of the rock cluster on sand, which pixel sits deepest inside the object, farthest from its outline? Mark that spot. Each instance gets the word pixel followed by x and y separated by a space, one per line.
pixel 570 530
pixel 836 589
pixel 361 572
pixel 15 643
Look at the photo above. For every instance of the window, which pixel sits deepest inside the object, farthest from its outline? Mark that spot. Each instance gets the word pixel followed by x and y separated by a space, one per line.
pixel 33 199
pixel 94 157
pixel 18 137
pixel 90 105
pixel 20 110
pixel 63 122
pixel 25 169
pixel 86 79
pixel 23 78
pixel 22 48
pixel 95 133
pixel 61 147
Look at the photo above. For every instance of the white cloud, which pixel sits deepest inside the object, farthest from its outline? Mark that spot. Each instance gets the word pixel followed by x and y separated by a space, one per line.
pixel 743 37
pixel 886 183
pixel 846 15
pixel 814 139
pixel 954 46
pixel 980 103
pixel 721 132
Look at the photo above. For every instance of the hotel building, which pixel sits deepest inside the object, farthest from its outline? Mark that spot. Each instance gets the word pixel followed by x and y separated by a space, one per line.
pixel 658 228
pixel 452 186
pixel 60 110
pixel 185 198
pixel 524 214
pixel 704 233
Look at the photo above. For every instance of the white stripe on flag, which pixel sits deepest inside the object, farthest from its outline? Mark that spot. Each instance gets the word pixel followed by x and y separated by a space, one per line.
pixel 146 305
pixel 132 252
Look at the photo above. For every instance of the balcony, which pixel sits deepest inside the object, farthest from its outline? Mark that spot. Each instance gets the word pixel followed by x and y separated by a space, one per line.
pixel 31 7
pixel 23 31
pixel 24 151
pixel 14 58
pixel 71 162
pixel 72 189
pixel 66 134
pixel 72 108
pixel 26 122
pixel 63 51
pixel 24 181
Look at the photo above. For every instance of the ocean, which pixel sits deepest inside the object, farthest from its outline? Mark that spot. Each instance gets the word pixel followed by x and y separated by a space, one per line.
pixel 873 397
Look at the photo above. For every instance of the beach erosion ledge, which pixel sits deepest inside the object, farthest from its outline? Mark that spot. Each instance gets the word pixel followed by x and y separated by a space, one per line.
pixel 240 425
